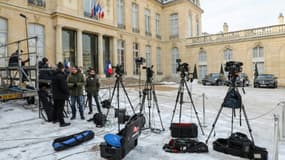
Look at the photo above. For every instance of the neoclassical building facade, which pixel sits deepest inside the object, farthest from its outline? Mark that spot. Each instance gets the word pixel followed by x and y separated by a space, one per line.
pixel 263 46
pixel 69 30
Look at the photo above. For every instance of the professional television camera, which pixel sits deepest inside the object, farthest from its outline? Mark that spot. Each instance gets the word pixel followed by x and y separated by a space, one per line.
pixel 119 69
pixel 149 72
pixel 139 60
pixel 183 69
pixel 234 68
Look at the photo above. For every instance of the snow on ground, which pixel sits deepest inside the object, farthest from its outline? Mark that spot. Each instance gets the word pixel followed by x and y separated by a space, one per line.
pixel 24 136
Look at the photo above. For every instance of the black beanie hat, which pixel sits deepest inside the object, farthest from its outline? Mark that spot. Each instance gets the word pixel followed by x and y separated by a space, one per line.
pixel 60 65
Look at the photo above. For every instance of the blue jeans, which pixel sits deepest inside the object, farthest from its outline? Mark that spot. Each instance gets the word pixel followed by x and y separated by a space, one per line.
pixel 79 100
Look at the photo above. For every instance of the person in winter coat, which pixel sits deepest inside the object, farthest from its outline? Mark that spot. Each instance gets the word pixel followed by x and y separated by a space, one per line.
pixel 92 88
pixel 75 83
pixel 60 94
pixel 45 70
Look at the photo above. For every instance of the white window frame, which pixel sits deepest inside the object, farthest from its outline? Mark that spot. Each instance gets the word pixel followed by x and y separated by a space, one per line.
pixel 121 52
pixel 121 13
pixel 39 31
pixel 174 25
pixel 175 56
pixel 189 28
pixel 148 55
pixel 202 57
pixel 228 54
pixel 135 55
pixel 147 21
pixel 157 24
pixel 135 17
pixel 158 60
pixel 3 40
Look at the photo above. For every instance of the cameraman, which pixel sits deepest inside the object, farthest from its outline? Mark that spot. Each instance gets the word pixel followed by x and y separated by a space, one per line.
pixel 92 88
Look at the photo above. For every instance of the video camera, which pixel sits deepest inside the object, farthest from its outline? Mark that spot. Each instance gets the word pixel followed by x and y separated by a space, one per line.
pixel 234 68
pixel 149 72
pixel 183 69
pixel 139 60
pixel 119 69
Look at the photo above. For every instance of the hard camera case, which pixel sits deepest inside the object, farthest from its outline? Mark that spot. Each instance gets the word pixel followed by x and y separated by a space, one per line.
pixel 184 130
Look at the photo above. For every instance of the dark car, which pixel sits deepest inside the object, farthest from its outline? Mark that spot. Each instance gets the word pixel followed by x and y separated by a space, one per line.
pixel 242 80
pixel 265 80
pixel 214 79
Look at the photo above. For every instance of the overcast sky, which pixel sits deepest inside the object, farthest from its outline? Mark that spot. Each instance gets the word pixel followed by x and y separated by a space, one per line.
pixel 240 14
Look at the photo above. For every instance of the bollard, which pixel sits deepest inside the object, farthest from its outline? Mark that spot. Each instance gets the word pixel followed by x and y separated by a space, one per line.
pixel 276 138
pixel 204 112
pixel 283 122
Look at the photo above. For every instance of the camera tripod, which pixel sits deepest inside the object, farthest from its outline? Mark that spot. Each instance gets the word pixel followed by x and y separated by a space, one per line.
pixel 119 82
pixel 149 93
pixel 233 89
pixel 179 99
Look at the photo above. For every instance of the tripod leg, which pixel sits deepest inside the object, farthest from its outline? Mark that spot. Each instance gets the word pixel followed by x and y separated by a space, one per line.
pixel 232 125
pixel 127 96
pixel 142 104
pixel 248 125
pixel 193 105
pixel 176 102
pixel 157 108
pixel 213 126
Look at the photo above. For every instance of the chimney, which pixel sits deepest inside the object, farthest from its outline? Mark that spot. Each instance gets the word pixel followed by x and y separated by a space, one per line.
pixel 281 18
pixel 226 27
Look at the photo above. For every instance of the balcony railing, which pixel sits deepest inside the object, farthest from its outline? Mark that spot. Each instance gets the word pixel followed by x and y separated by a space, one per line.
pixel 38 3
pixel 238 35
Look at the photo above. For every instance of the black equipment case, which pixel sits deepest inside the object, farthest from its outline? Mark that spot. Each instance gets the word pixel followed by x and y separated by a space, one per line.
pixel 129 140
pixel 184 130
pixel 238 144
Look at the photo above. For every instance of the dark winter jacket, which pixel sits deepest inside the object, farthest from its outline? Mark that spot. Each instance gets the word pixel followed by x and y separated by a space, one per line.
pixel 45 72
pixel 92 85
pixel 59 86
pixel 75 83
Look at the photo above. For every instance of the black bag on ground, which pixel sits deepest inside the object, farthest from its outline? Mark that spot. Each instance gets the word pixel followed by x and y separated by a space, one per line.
pixel 238 144
pixel 66 142
pixel 184 130
pixel 99 119
pixel 183 145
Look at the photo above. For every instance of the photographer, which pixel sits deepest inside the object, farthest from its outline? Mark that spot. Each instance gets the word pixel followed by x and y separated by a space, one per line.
pixel 92 88
pixel 75 83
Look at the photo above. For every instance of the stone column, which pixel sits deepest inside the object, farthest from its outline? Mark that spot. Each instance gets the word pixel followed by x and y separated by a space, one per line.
pixel 114 52
pixel 100 55
pixel 79 48
pixel 58 40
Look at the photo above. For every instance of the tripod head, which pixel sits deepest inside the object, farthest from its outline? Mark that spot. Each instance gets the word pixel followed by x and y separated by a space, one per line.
pixel 149 73
pixel 184 70
pixel 234 68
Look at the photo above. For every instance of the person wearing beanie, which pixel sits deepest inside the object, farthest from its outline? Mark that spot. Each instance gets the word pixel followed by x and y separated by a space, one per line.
pixel 75 83
pixel 60 94
pixel 92 88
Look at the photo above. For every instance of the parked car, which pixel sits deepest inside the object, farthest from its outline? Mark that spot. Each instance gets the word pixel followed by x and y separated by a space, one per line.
pixel 265 80
pixel 214 79
pixel 242 80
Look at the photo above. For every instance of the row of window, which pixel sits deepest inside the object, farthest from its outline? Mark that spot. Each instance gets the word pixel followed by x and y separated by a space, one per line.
pixel 258 54
pixel 33 30
pixel 258 59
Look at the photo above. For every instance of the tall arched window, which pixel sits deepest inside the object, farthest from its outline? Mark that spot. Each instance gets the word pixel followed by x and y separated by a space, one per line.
pixel 175 56
pixel 36 30
pixel 258 58
pixel 3 39
pixel 148 55
pixel 228 54
pixel 202 64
